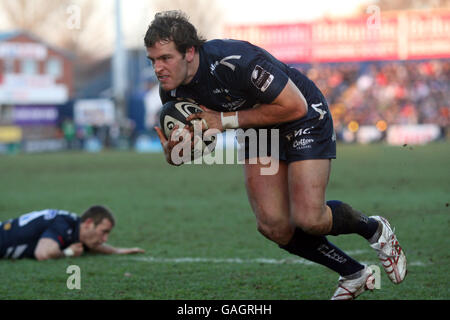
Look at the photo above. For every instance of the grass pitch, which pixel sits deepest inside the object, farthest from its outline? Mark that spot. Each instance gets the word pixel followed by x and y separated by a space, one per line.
pixel 199 232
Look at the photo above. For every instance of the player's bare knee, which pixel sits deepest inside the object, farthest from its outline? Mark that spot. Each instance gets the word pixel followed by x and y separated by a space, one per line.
pixel 311 224
pixel 278 233
pixel 315 228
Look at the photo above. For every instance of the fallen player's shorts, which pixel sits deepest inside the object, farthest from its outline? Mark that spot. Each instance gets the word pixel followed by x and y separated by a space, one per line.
pixel 311 137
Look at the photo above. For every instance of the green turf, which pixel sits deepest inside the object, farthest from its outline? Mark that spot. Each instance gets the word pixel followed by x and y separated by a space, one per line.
pixel 202 212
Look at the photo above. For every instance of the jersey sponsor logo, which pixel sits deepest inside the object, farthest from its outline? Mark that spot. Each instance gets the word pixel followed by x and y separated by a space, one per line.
pixel 299 132
pixel 302 144
pixel 220 90
pixel 232 106
pixel 261 78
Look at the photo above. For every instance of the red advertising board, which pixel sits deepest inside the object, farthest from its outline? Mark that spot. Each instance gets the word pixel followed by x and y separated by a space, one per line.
pixel 400 35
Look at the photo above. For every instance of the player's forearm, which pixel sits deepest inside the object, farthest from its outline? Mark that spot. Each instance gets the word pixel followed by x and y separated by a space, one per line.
pixel 46 255
pixel 105 249
pixel 288 106
pixel 266 115
pixel 47 248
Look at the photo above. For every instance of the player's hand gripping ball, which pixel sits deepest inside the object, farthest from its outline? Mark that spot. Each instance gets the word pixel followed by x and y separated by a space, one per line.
pixel 175 113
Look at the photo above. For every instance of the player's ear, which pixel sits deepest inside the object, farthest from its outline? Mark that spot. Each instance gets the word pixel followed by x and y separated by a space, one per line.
pixel 190 53
pixel 89 222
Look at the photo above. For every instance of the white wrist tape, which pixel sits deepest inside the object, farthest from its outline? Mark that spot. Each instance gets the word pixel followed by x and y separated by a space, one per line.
pixel 229 122
pixel 68 252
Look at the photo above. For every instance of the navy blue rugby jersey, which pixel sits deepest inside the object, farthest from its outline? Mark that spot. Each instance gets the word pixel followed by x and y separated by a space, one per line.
pixel 236 75
pixel 19 236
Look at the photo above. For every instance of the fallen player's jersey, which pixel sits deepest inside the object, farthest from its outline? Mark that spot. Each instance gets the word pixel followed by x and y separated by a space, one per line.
pixel 19 236
pixel 235 75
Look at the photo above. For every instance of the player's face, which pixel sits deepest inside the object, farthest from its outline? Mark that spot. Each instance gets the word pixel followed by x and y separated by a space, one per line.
pixel 171 67
pixel 95 235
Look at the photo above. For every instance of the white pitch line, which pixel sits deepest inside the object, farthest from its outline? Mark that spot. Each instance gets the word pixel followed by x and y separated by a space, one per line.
pixel 151 259
pixel 220 260
pixel 234 260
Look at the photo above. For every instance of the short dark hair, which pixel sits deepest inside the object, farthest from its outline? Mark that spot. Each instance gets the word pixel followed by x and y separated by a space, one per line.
pixel 97 213
pixel 173 26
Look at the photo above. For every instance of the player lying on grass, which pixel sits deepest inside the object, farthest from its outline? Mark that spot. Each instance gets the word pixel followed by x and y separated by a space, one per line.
pixel 50 234
pixel 243 86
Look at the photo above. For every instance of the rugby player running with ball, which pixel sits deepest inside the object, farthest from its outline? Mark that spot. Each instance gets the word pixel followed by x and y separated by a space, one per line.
pixel 240 85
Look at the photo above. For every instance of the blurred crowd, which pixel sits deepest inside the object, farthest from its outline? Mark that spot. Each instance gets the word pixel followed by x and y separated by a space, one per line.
pixel 409 92
pixel 370 93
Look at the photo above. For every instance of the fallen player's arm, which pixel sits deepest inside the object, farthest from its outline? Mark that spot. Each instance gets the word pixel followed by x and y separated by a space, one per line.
pixel 48 248
pixel 107 249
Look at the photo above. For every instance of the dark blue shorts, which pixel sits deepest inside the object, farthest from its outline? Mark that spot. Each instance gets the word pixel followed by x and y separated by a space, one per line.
pixel 311 137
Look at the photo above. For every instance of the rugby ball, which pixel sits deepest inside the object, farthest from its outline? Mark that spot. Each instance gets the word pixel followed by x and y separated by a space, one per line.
pixel 175 113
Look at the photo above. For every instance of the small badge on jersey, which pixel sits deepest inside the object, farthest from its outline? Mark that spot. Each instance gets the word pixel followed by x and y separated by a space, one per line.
pixel 261 78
